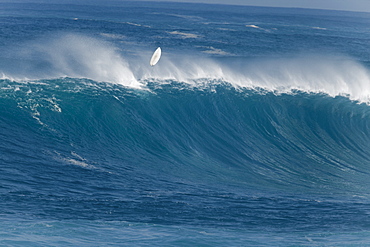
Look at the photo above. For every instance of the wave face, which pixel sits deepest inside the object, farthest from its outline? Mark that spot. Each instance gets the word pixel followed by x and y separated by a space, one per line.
pixel 81 140
pixel 303 142
pixel 253 128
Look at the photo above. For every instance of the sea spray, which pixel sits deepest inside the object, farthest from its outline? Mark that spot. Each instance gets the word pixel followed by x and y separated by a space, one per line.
pixel 80 56
pixel 337 76
pixel 69 55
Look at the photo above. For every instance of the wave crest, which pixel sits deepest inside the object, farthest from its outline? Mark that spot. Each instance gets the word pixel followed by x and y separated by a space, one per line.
pixel 68 55
pixel 78 56
pixel 335 77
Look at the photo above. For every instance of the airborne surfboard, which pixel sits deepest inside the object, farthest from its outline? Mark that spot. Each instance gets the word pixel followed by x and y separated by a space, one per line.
pixel 156 56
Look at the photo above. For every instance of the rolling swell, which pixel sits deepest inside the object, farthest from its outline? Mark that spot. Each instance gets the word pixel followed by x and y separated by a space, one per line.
pixel 215 135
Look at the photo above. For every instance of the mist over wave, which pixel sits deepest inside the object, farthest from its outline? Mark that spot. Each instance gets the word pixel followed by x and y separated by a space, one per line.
pixel 316 74
pixel 67 55
pixel 79 56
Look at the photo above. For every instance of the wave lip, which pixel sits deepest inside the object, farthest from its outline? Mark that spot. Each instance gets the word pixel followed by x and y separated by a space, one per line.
pixel 313 74
pixel 78 56
pixel 69 55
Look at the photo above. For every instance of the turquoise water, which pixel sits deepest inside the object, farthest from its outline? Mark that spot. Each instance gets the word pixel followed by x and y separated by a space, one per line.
pixel 252 130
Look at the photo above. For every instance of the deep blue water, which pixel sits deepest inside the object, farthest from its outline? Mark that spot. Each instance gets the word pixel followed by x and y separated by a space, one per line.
pixel 252 130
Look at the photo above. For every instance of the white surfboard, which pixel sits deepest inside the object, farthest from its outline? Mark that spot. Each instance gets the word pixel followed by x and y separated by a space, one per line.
pixel 156 56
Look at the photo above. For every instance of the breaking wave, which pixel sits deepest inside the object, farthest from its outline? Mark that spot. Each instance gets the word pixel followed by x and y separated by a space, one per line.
pixel 77 56
pixel 214 133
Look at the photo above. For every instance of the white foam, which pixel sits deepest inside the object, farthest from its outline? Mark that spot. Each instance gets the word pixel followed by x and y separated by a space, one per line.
pixel 133 24
pixel 319 28
pixel 6 77
pixel 188 17
pixel 316 74
pixel 253 26
pixel 79 56
pixel 77 160
pixel 70 55
pixel 260 28
pixel 79 163
pixel 113 36
pixel 215 51
pixel 226 29
pixel 184 35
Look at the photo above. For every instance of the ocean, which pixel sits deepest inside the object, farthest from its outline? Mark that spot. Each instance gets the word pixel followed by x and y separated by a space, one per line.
pixel 253 129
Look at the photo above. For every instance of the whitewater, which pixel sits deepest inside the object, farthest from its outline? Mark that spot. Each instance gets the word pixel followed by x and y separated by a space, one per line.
pixel 253 129
pixel 69 55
